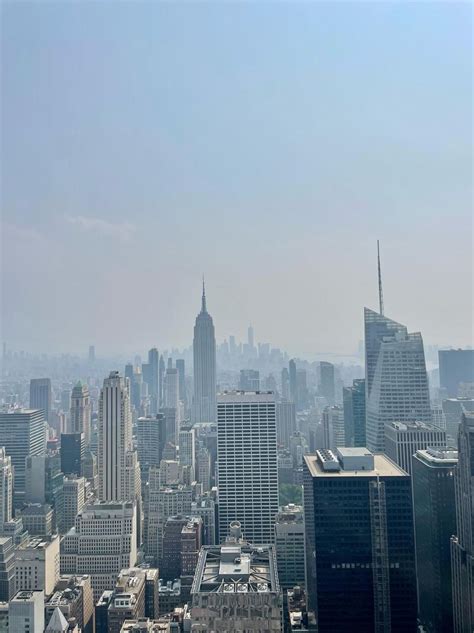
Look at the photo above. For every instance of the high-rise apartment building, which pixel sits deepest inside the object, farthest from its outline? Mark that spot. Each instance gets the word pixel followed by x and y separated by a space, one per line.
pixel 354 413
pixel 102 542
pixel 399 390
pixel 40 396
pixel 204 361
pixel 462 544
pixel 359 542
pixel 456 367
pixel 433 473
pixel 403 439
pixel 247 464
pixel 327 387
pixel 81 411
pixel 22 433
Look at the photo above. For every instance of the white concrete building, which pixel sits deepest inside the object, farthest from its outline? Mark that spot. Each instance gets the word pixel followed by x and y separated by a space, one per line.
pixel 247 464
pixel 26 612
pixel 37 564
pixel 102 542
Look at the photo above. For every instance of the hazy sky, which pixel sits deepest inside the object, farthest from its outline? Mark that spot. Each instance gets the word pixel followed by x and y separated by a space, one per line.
pixel 267 145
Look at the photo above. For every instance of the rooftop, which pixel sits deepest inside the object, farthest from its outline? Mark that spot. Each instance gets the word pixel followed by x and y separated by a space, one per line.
pixel 245 396
pixel 438 456
pixel 413 426
pixel 236 568
pixel 383 467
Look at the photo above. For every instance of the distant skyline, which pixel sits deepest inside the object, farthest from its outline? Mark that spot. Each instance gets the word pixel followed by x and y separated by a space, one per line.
pixel 267 146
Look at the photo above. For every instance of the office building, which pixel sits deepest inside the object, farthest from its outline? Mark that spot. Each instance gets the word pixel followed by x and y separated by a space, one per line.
pixel 102 542
pixel 286 422
pixel 354 413
pixel 74 500
pixel 456 367
pixel 3 617
pixel 462 544
pixel 22 434
pixel 6 488
pixel 37 564
pixel 72 453
pixel 399 391
pixel 205 508
pixel 301 389
pixel 26 612
pixel 151 377
pixel 360 554
pixel 40 396
pixel 204 364
pixel 128 599
pixel 187 449
pixel 119 471
pixel 292 381
pixel 151 440
pixel 191 542
pixel 327 387
pixel 236 588
pixel 333 427
pixel 376 328
pixel 203 466
pixel 7 569
pixel 73 596
pixel 180 366
pixel 290 546
pixel 285 384
pixel 81 411
pixel 247 464
pixel 38 519
pixel 249 380
pixel 433 472
pixel 171 395
pixel 44 482
pixel 403 439
pixel 152 588
pixel 453 409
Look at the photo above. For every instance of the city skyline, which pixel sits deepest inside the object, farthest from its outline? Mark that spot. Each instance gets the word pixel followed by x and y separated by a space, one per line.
pixel 193 132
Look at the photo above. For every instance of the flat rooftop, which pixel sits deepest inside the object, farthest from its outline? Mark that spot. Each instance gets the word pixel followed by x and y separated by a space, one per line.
pixel 236 568
pixel 245 397
pixel 383 466
pixel 417 425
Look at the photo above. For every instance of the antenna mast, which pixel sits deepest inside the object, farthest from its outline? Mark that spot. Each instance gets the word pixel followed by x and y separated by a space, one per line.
pixel 380 280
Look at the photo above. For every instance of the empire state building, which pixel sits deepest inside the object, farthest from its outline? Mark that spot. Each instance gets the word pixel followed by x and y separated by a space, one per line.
pixel 204 360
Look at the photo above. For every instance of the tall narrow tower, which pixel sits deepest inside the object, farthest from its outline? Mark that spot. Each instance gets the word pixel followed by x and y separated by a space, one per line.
pixel 81 411
pixel 115 437
pixel 204 358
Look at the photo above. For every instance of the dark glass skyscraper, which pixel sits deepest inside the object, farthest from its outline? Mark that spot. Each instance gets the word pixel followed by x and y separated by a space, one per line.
pixel 40 396
pixel 462 544
pixel 435 523
pixel 354 413
pixel 359 542
pixel 204 360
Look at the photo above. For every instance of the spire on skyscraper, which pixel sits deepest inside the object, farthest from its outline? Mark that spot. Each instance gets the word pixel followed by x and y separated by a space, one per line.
pixel 380 280
pixel 203 301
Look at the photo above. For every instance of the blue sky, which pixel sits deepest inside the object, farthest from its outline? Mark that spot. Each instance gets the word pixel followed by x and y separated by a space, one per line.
pixel 267 145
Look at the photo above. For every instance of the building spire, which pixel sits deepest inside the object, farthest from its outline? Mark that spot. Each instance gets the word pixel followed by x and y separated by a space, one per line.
pixel 380 280
pixel 203 301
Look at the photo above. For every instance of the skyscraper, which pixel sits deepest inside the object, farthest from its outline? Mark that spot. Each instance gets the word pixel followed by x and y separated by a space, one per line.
pixel 462 544
pixel 151 440
pixel 115 440
pixel 327 385
pixel 286 422
pixel 456 366
pixel 435 521
pixel 22 433
pixel 180 366
pixel 249 380
pixel 6 488
pixel 151 376
pixel 333 427
pixel 247 464
pixel 40 396
pixel 399 389
pixel 354 413
pixel 359 542
pixel 292 381
pixel 204 360
pixel 72 453
pixel 81 411
pixel 403 439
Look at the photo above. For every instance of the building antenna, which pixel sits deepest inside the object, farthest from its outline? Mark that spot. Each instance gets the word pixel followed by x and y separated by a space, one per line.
pixel 380 280
pixel 203 299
